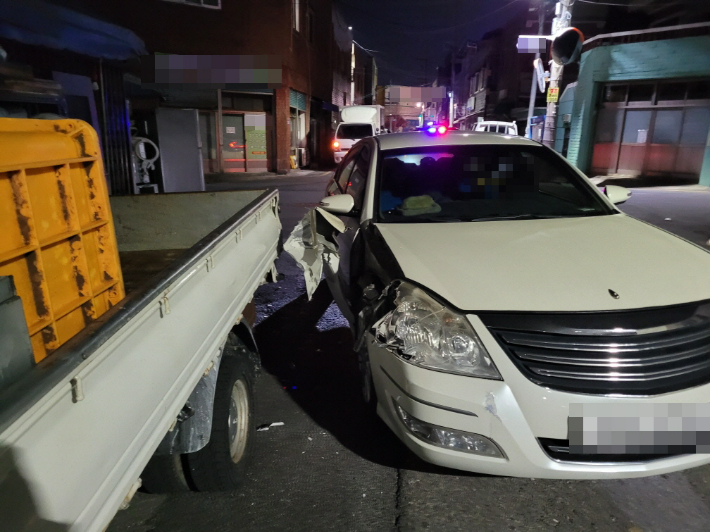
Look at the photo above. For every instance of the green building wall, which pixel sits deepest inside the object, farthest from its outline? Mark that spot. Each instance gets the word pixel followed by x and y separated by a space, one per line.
pixel 672 58
pixel 565 107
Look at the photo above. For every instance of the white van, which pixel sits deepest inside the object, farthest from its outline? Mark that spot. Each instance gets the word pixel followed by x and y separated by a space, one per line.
pixel 508 128
pixel 358 122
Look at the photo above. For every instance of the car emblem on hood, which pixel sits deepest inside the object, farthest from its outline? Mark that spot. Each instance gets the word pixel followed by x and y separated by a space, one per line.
pixel 613 294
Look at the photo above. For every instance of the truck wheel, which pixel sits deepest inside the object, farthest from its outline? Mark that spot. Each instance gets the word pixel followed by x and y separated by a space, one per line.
pixel 221 465
pixel 164 474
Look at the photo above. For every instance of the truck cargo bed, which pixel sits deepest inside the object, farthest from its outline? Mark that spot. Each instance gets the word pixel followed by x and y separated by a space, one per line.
pixel 80 426
pixel 140 266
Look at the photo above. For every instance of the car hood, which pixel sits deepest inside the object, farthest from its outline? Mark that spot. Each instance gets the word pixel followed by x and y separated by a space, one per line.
pixel 563 264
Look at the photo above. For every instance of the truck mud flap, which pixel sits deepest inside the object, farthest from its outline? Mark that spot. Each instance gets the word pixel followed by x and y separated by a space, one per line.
pixel 193 425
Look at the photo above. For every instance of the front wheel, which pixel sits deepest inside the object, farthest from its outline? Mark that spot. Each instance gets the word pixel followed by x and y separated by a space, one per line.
pixel 222 464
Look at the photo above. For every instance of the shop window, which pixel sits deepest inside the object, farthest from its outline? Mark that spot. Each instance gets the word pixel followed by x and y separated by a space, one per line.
pixel 699 90
pixel 641 93
pixel 695 127
pixel 666 128
pixel 671 91
pixel 614 93
pixel 609 125
pixel 636 127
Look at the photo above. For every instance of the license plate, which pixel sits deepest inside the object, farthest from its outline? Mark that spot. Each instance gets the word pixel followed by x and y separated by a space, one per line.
pixel 652 428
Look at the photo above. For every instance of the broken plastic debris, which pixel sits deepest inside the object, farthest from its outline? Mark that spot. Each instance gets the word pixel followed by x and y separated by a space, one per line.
pixel 267 426
pixel 668 219
pixel 310 439
pixel 312 244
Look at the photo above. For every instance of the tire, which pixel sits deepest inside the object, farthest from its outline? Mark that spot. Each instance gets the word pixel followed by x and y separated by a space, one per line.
pixel 164 474
pixel 222 464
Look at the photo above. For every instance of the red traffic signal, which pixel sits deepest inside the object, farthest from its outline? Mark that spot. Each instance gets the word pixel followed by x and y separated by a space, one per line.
pixel 567 46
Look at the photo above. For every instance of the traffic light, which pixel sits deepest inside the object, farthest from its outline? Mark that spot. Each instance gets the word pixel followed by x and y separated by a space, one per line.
pixel 567 46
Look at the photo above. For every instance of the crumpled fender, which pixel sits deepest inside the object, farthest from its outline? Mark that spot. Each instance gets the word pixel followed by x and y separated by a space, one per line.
pixel 312 243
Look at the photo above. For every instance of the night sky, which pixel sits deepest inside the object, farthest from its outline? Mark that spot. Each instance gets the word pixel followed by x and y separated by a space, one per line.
pixel 411 35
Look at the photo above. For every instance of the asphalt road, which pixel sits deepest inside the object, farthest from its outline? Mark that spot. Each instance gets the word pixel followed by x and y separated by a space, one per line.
pixel 332 466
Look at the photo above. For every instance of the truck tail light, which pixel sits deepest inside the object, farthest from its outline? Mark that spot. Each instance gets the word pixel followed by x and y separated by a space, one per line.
pixel 336 144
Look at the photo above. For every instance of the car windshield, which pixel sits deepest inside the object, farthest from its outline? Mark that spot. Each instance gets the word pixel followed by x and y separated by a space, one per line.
pixel 354 131
pixel 479 183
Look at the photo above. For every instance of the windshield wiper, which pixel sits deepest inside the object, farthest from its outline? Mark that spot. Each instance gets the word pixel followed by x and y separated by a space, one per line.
pixel 435 219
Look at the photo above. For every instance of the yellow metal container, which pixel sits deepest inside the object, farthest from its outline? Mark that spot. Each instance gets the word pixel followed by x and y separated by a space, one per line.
pixel 56 232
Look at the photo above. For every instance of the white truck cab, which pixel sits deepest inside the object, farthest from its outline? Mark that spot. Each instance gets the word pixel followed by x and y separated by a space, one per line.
pixel 358 122
pixel 507 128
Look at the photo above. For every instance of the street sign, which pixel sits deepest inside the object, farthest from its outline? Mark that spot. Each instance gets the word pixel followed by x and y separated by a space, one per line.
pixel 532 44
pixel 553 94
pixel 540 74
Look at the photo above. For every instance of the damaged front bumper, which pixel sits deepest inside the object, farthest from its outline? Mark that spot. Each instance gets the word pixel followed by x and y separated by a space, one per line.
pixel 514 415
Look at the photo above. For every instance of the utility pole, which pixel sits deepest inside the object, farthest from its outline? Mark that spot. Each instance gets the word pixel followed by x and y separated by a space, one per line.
pixel 562 20
pixel 533 86
pixel 451 94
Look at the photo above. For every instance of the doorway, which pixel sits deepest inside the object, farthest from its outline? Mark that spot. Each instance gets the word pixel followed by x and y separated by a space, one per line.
pixel 233 143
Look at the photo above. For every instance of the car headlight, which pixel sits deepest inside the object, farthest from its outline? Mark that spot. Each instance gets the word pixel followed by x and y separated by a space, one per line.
pixel 426 333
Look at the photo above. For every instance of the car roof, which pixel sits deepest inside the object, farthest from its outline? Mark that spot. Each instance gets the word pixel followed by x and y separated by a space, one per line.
pixel 486 122
pixel 417 139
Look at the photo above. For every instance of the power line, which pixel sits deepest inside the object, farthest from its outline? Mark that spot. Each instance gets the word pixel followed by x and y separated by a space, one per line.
pixel 366 49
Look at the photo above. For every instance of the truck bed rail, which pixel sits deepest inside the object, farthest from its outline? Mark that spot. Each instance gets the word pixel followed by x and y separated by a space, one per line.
pixel 84 422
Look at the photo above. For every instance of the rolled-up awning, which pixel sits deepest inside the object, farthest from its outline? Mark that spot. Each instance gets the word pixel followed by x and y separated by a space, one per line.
pixel 39 23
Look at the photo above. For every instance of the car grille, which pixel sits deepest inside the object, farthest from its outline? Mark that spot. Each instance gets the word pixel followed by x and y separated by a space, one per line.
pixel 642 353
pixel 559 450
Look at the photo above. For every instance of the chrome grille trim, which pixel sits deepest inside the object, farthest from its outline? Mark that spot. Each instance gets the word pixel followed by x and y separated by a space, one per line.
pixel 643 353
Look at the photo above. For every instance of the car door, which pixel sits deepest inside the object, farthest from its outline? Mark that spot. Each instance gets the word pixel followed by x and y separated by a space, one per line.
pixel 355 187
pixel 339 185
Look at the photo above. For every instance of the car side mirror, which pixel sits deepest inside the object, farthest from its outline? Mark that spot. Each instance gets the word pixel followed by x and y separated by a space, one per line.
pixel 338 204
pixel 616 194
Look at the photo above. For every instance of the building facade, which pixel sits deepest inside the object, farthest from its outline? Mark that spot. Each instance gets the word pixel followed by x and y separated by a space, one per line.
pixel 641 105
pixel 287 123
pixel 76 71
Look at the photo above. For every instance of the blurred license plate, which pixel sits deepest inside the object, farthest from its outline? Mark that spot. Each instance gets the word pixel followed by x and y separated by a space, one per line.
pixel 652 428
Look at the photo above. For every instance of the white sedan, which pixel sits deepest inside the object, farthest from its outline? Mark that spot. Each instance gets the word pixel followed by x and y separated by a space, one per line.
pixel 510 320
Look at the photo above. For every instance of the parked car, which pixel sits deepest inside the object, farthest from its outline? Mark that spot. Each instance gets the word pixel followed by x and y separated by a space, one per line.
pixel 509 319
pixel 507 128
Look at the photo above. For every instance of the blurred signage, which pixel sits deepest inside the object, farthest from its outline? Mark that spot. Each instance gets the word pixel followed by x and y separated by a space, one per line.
pixel 553 94
pixel 532 44
pixel 414 95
